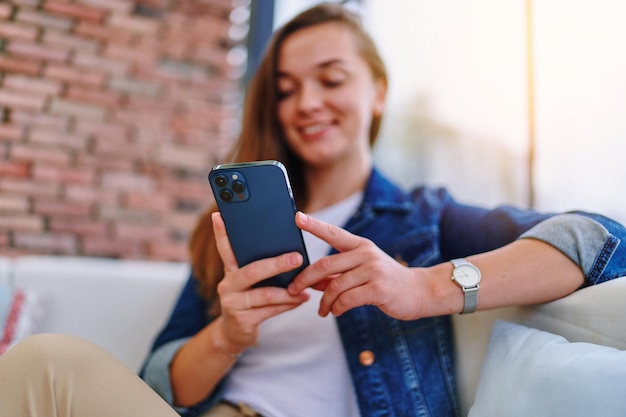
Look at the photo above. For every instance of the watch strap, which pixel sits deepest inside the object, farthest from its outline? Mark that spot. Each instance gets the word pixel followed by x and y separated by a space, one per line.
pixel 470 294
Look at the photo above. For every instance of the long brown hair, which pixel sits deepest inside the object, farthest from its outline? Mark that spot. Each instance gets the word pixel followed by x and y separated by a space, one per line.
pixel 262 137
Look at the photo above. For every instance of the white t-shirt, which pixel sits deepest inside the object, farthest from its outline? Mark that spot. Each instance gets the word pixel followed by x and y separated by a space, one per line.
pixel 298 366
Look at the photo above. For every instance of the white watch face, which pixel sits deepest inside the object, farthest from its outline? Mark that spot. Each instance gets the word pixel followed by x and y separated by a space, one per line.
pixel 467 275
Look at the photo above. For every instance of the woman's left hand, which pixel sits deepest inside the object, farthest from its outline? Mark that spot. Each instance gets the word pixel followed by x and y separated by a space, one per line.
pixel 360 274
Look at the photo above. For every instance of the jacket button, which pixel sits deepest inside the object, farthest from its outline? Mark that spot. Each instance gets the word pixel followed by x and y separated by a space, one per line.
pixel 366 358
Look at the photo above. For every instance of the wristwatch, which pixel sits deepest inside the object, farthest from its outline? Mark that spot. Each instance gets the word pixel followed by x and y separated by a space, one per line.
pixel 467 276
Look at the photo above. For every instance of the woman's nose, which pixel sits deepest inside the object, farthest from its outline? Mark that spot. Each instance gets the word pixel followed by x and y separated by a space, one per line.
pixel 309 98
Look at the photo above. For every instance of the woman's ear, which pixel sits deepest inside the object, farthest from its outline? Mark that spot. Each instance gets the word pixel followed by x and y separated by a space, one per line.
pixel 380 92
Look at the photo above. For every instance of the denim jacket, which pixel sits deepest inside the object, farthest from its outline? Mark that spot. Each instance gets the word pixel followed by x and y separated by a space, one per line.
pixel 412 373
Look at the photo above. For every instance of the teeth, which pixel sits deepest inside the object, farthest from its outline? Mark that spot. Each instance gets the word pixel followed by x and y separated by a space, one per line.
pixel 311 130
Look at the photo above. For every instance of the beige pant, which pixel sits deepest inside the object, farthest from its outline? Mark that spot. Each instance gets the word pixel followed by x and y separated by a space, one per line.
pixel 60 375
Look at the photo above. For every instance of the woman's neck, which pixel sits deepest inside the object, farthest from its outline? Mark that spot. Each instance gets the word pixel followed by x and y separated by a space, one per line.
pixel 329 185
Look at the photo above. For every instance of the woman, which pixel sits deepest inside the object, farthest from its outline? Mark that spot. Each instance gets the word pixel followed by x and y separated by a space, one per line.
pixel 374 338
pixel 316 103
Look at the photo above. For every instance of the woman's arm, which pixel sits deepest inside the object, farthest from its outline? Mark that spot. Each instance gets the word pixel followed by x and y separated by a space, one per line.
pixel 202 362
pixel 526 271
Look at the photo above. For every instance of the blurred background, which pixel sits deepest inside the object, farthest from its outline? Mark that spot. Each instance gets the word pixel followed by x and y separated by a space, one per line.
pixel 113 111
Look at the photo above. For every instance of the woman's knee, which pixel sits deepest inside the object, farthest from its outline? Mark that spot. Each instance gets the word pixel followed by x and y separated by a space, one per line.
pixel 50 348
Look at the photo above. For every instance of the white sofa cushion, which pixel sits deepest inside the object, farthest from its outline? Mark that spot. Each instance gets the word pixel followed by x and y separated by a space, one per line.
pixel 118 304
pixel 594 314
pixel 529 372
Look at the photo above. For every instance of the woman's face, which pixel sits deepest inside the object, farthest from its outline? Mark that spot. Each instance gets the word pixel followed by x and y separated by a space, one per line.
pixel 327 95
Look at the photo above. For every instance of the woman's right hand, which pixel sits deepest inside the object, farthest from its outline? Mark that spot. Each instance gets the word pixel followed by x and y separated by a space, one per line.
pixel 244 307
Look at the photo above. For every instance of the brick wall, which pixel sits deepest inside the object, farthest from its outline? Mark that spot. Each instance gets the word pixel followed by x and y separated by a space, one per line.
pixel 111 114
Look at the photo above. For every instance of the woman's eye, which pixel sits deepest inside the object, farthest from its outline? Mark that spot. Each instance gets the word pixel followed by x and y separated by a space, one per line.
pixel 283 94
pixel 333 82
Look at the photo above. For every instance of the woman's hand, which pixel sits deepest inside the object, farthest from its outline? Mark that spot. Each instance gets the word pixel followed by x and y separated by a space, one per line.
pixel 360 274
pixel 244 307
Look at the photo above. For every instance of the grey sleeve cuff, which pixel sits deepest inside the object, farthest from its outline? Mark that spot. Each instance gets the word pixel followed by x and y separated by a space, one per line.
pixel 580 238
pixel 157 371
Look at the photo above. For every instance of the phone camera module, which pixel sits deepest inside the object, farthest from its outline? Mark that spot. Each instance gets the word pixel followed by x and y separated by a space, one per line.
pixel 220 181
pixel 238 187
pixel 226 195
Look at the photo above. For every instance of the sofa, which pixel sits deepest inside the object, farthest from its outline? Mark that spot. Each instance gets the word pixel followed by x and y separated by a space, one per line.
pixel 121 304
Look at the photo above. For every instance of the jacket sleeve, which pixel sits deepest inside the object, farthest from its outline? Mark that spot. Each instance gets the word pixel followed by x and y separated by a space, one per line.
pixel 591 240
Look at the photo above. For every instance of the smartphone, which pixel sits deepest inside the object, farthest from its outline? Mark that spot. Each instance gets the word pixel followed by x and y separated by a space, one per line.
pixel 257 205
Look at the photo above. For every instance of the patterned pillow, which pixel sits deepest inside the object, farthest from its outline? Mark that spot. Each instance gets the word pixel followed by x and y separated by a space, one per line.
pixel 21 312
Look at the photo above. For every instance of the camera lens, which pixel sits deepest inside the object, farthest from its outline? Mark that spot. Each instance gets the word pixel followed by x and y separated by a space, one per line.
pixel 226 195
pixel 220 181
pixel 238 187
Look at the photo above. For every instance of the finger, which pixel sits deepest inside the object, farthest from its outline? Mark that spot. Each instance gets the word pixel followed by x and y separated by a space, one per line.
pixel 338 238
pixel 338 292
pixel 223 243
pixel 355 297
pixel 323 270
pixel 257 271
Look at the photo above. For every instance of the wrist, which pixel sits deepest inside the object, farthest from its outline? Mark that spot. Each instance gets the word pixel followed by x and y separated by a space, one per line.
pixel 218 341
pixel 444 295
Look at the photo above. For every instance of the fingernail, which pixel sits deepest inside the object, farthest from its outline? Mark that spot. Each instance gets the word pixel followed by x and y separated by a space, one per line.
pixel 295 259
pixel 303 217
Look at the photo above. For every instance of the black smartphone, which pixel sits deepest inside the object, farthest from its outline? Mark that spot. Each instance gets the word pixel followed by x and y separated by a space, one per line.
pixel 257 205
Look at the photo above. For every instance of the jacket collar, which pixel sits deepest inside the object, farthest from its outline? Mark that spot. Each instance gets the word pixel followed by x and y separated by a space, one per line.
pixel 380 195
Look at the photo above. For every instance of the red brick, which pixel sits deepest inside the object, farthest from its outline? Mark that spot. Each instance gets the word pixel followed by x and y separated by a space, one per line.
pixel 169 251
pixel 39 119
pixel 106 162
pixel 118 6
pixel 19 65
pixel 22 100
pixel 11 132
pixel 75 75
pixel 58 139
pixel 102 33
pixel 11 203
pixel 90 194
pixel 78 226
pixel 183 157
pixel 186 189
pixel 127 181
pixel 136 118
pixel 39 154
pixel 38 51
pixel 6 10
pixel 88 95
pixel 61 208
pixel 22 222
pixel 18 31
pixel 136 24
pixel 112 248
pixel 133 216
pixel 32 84
pixel 78 11
pixel 4 237
pixel 56 243
pixel 102 130
pixel 63 174
pixel 112 146
pixel 69 41
pixel 14 169
pixel 131 54
pixel 149 104
pixel 131 232
pixel 78 109
pixel 29 187
pixel 106 65
pixel 150 201
pixel 43 19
